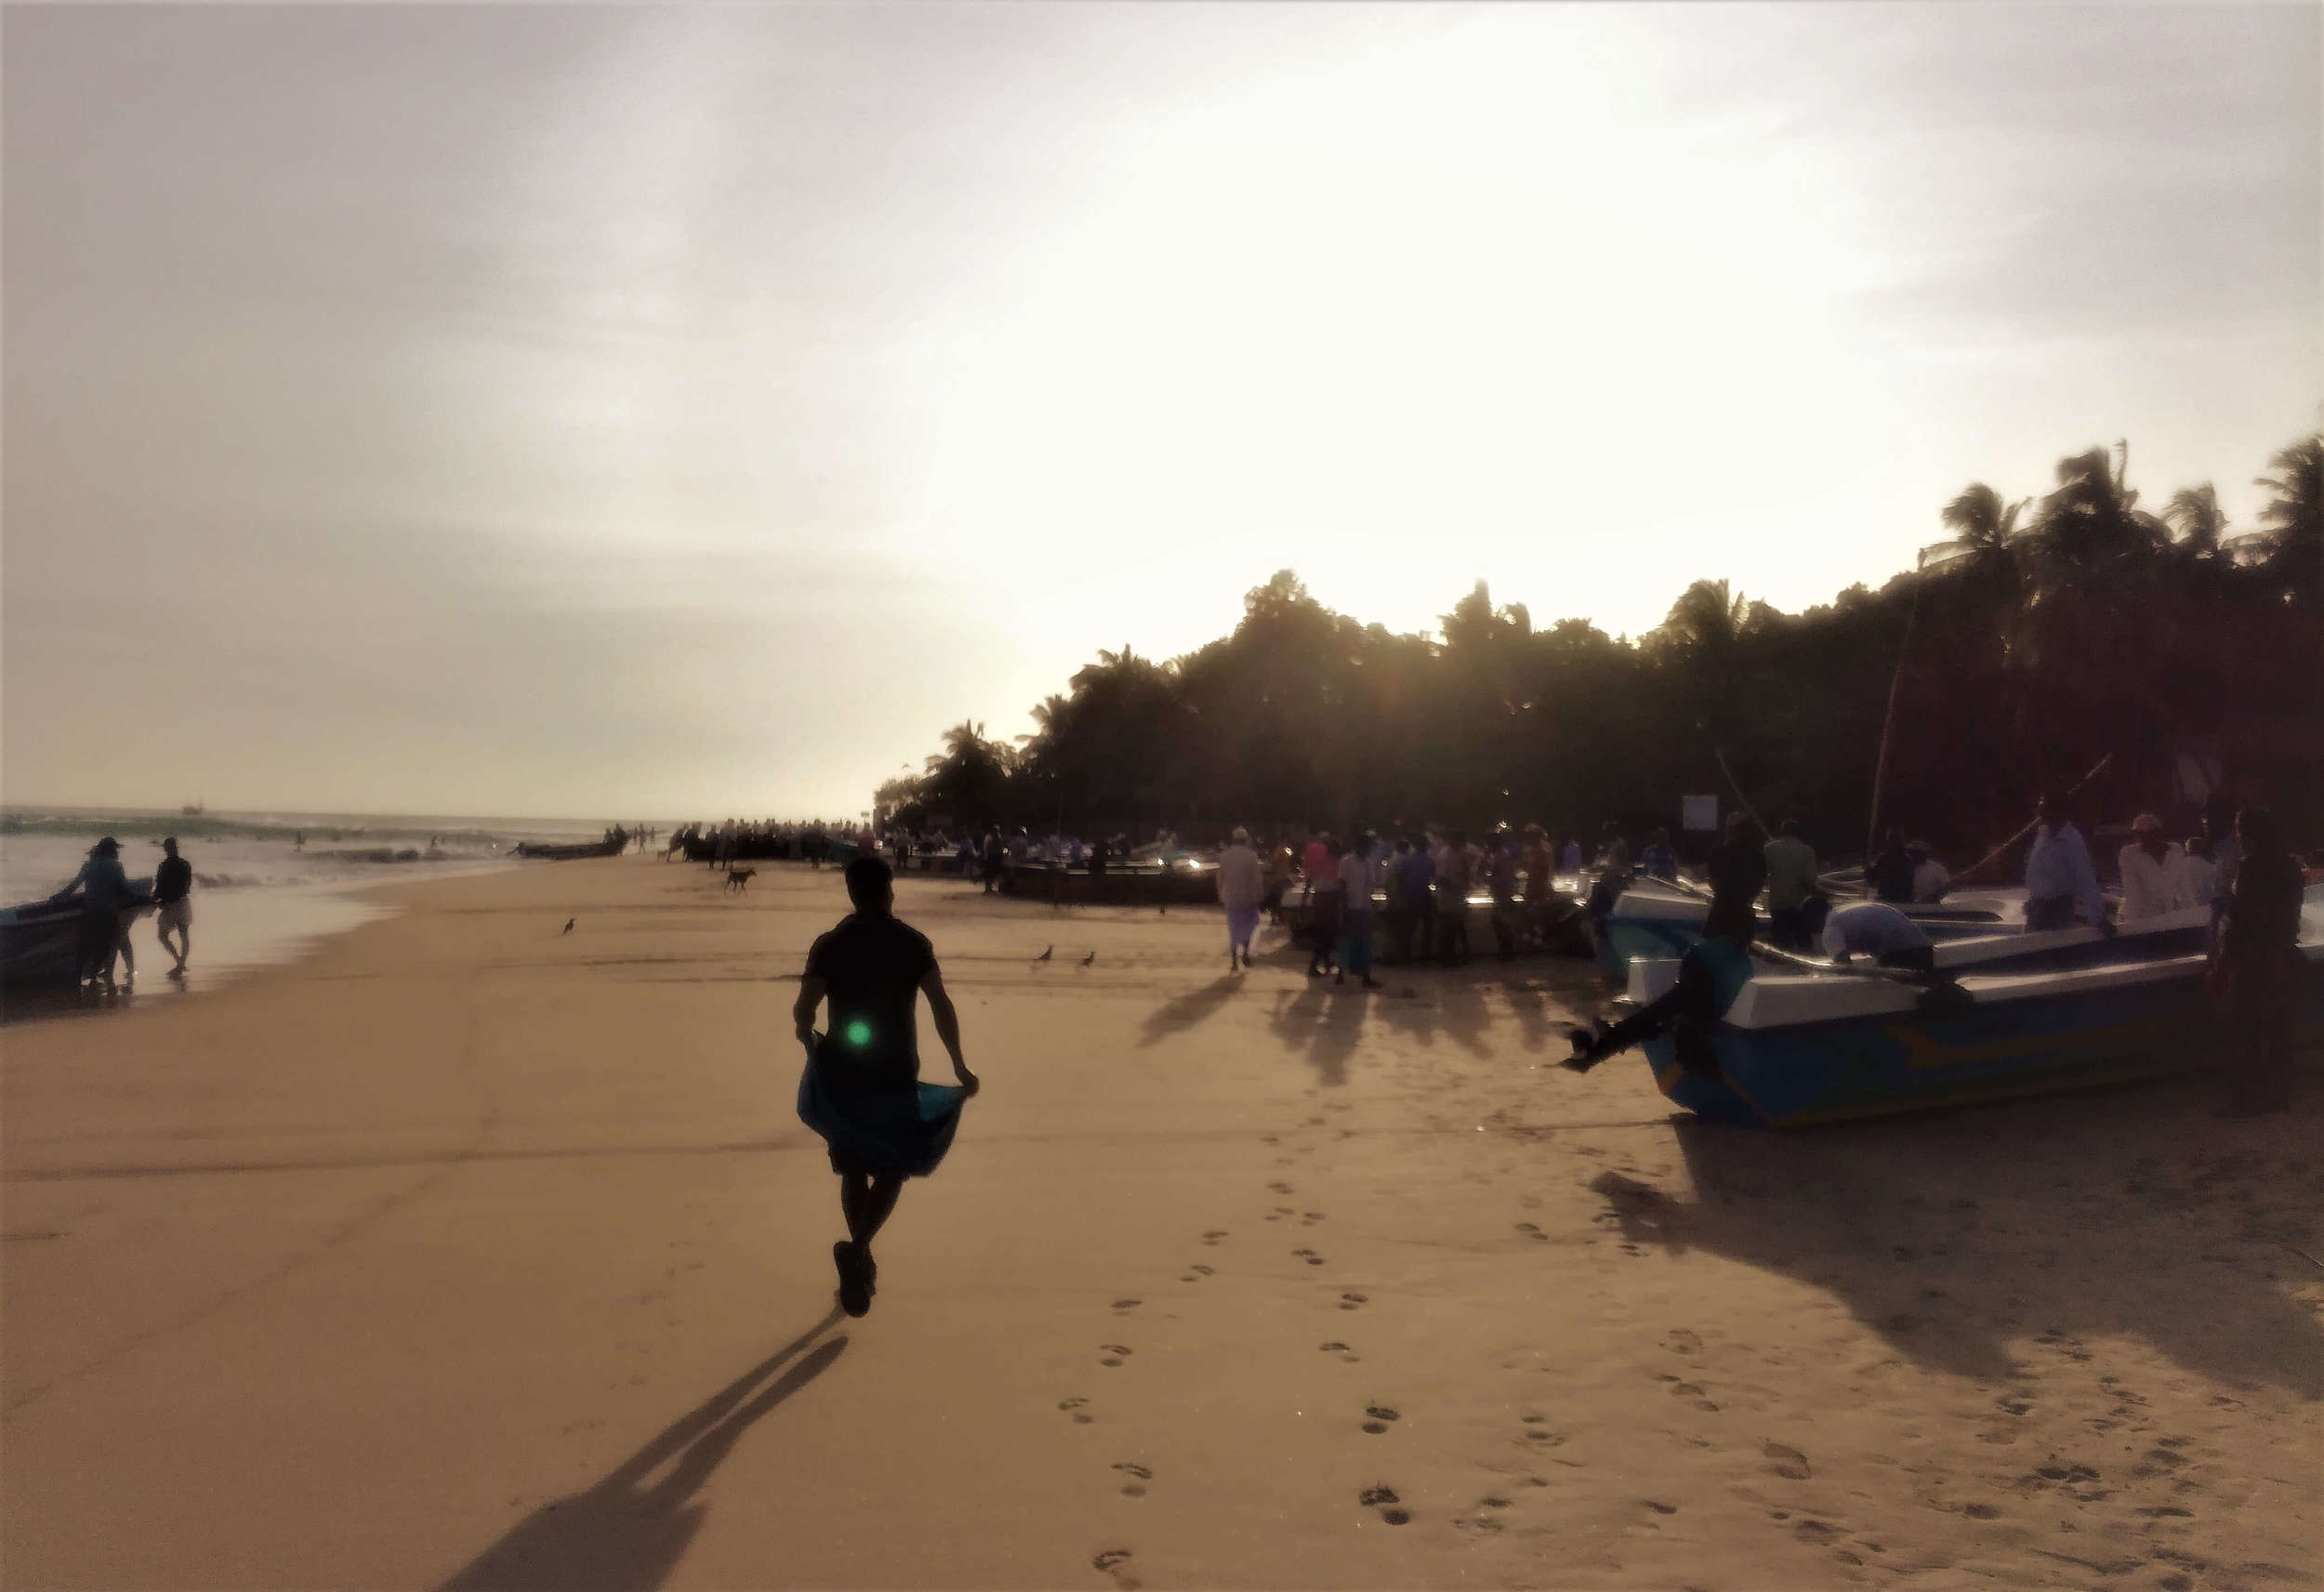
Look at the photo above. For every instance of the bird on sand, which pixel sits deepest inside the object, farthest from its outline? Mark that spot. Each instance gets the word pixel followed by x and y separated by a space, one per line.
pixel 569 923
pixel 1045 955
pixel 1090 959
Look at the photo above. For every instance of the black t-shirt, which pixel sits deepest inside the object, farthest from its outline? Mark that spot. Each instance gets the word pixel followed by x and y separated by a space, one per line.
pixel 172 880
pixel 872 969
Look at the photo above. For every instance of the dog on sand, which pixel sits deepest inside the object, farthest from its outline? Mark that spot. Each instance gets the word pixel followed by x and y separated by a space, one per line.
pixel 738 879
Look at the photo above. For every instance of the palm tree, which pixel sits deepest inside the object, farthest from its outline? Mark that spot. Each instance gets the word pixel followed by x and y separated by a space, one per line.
pixel 1706 617
pixel 2200 524
pixel 2091 520
pixel 2294 544
pixel 1983 530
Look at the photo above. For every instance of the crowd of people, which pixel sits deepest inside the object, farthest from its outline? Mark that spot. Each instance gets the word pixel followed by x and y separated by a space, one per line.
pixel 1407 900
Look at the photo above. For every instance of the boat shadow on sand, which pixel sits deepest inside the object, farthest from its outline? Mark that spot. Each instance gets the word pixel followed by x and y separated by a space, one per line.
pixel 1964 1238
pixel 625 1533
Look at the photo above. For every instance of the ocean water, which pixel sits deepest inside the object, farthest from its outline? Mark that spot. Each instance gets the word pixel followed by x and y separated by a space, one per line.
pixel 260 897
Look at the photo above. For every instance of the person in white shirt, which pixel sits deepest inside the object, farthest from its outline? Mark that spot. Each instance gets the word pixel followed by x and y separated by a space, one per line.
pixel 1240 889
pixel 1357 880
pixel 2058 874
pixel 2155 877
pixel 1930 878
pixel 1877 930
pixel 2202 872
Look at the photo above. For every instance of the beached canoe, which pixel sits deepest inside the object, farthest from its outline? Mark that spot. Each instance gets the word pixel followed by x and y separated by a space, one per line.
pixel 40 944
pixel 1792 1050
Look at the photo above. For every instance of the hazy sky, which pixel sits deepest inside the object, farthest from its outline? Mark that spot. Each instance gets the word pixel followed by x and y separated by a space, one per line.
pixel 691 411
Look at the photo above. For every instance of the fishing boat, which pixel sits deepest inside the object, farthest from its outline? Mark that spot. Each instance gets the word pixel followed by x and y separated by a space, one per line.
pixel 40 946
pixel 1655 920
pixel 1796 1048
pixel 40 943
pixel 615 842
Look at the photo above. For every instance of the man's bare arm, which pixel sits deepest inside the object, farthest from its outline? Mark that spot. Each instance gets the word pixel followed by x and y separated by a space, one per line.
pixel 811 992
pixel 947 1026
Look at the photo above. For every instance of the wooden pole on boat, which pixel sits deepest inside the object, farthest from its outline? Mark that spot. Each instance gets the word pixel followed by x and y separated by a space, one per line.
pixel 1736 786
pixel 2095 770
pixel 1888 724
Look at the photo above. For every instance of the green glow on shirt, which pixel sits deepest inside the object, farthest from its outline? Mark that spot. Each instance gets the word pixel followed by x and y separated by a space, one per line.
pixel 859 1034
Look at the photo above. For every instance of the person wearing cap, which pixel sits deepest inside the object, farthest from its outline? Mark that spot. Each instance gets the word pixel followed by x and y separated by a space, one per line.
pixel 2155 877
pixel 106 896
pixel 1241 888
pixel 1929 877
pixel 172 887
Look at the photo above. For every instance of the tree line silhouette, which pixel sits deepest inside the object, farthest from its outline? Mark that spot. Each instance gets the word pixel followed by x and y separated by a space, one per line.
pixel 2044 635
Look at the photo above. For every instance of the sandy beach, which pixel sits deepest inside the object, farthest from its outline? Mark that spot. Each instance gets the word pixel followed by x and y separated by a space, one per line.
pixel 472 1253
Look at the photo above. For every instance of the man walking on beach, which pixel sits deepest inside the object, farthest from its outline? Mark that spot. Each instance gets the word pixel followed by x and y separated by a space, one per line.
pixel 1240 889
pixel 173 885
pixel 861 1089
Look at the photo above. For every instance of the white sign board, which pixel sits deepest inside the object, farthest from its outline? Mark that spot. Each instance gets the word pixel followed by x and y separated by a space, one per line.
pixel 1698 812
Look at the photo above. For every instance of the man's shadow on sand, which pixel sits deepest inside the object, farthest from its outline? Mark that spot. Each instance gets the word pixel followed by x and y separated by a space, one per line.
pixel 1950 1238
pixel 1183 1012
pixel 623 1534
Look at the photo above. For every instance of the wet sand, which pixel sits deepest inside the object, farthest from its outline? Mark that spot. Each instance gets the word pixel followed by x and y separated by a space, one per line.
pixel 473 1254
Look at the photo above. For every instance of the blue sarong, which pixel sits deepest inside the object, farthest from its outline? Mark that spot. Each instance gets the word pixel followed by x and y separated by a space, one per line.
pixel 890 1133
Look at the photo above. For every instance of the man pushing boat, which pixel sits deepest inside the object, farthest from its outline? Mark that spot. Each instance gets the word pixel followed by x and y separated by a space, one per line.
pixel 861 1089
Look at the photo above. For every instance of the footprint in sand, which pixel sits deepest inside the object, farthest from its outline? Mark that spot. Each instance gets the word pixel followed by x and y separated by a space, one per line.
pixel 1139 1476
pixel 1380 1416
pixel 1203 1271
pixel 1354 1301
pixel 1787 1462
pixel 1346 1354
pixel 1278 1188
pixel 1127 1304
pixel 1309 1256
pixel 1078 1409
pixel 1309 1218
pixel 1214 1235
pixel 1315 1122
pixel 1384 1499
pixel 1114 1561
pixel 1686 1342
pixel 1114 1353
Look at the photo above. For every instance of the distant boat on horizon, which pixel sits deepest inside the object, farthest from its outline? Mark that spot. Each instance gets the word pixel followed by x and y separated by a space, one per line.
pixel 196 810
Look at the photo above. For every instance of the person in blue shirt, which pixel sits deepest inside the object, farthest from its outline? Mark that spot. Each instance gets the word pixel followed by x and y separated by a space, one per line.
pixel 106 896
pixel 2058 872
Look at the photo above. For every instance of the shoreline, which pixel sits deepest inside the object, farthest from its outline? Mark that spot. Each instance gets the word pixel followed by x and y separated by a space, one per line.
pixel 468 1253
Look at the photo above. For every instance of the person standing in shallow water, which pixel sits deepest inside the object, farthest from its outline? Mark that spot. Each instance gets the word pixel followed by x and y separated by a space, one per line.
pixel 861 1089
pixel 173 885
